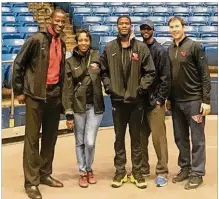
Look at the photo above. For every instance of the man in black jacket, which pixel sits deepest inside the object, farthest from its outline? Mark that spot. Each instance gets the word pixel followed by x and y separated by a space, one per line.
pixel 190 103
pixel 127 71
pixel 37 81
pixel 154 115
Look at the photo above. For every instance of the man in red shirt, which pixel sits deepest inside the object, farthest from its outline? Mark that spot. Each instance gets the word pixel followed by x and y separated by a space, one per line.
pixel 37 81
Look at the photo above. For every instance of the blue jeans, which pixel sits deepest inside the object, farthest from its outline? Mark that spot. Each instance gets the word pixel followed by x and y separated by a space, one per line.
pixel 86 127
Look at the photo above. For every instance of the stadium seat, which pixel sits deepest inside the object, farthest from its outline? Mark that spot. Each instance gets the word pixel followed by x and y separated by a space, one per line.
pixel 15 35
pixel 191 4
pixel 192 31
pixel 102 11
pixel 100 29
pixel 158 20
pixel 208 31
pixel 79 4
pixel 122 11
pixel 32 24
pixel 136 30
pixel 13 42
pixel 111 20
pixel 8 19
pixel 27 29
pixel 91 20
pixel 162 31
pixel 151 4
pixel 163 40
pixel 8 76
pixel 197 20
pixel 213 21
pixel 141 11
pixel 11 23
pixel 82 11
pixel 6 9
pixel 161 11
pixel 136 19
pixel 201 11
pixel 20 9
pixel 5 117
pixel 6 50
pixel 135 4
pixel 8 57
pixel 19 115
pixel 25 19
pixel 19 4
pixel 212 55
pixel 6 4
pixel 174 4
pixel 9 29
pixel 210 4
pixel 115 4
pixel 97 4
pixel 106 39
pixel 181 11
pixel 215 11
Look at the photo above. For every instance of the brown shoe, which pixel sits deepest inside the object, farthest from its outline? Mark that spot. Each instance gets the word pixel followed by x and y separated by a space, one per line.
pixel 90 177
pixel 83 181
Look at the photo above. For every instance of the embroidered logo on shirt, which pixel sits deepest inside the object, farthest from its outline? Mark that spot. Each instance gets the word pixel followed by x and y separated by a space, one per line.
pixel 135 57
pixel 183 54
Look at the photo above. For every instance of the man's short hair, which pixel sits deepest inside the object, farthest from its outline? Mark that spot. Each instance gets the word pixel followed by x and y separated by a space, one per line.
pixel 176 18
pixel 124 16
pixel 58 10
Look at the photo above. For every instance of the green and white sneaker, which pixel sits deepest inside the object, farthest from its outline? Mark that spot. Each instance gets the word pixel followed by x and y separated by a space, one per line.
pixel 139 182
pixel 118 180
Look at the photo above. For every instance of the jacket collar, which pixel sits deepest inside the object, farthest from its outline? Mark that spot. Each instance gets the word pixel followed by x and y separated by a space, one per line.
pixel 153 42
pixel 181 42
pixel 77 54
pixel 131 39
pixel 62 36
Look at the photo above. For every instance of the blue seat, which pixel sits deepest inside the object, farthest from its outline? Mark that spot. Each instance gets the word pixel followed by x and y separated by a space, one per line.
pixel 25 19
pixel 136 19
pixel 142 11
pixel 158 20
pixel 192 31
pixel 6 50
pixel 5 117
pixel 8 57
pixel 106 39
pixel 122 11
pixel 79 4
pixel 114 30
pixel 89 20
pixel 7 14
pixel 162 31
pixel 27 29
pixel 201 11
pixel 197 20
pixel 96 4
pixel 19 115
pixel 174 4
pixel 210 38
pixel 6 4
pixel 191 4
pixel 135 4
pixel 213 20
pixel 8 19
pixel 23 14
pixel 19 4
pixel 152 4
pixel 181 11
pixel 214 11
pixel 6 9
pixel 15 35
pixel 102 11
pixel 111 20
pixel 82 11
pixel 163 40
pixel 114 4
pixel 32 24
pixel 13 42
pixel 136 30
pixel 208 31
pixel 107 116
pixel 11 23
pixel 100 29
pixel 20 9
pixel 210 4
pixel 161 11
pixel 212 55
pixel 9 29
pixel 8 76
pixel 15 49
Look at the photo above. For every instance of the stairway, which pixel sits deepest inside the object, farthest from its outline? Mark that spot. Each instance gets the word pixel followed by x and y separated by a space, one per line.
pixel 42 13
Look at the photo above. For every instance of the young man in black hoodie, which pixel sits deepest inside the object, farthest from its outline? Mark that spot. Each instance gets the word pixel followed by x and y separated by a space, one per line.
pixel 127 71
pixel 154 106
pixel 190 103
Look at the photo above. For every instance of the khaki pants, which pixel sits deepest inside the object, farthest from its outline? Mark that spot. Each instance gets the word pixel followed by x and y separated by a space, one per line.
pixel 154 122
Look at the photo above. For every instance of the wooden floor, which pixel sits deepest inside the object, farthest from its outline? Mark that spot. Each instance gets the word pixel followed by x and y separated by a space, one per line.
pixel 65 169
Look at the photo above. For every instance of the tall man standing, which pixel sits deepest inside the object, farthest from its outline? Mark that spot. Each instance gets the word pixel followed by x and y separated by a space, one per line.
pixel 37 81
pixel 154 115
pixel 127 71
pixel 190 102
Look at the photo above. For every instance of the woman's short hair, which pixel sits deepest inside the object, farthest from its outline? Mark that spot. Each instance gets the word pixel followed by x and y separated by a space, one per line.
pixel 82 30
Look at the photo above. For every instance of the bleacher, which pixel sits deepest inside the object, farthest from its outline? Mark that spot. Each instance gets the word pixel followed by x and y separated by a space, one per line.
pixel 18 23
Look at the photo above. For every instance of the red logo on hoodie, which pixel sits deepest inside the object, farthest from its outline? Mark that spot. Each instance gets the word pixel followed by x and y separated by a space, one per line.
pixel 135 57
pixel 183 54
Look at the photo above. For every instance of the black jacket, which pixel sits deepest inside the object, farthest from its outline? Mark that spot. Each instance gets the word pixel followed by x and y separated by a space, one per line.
pixel 190 74
pixel 74 89
pixel 31 66
pixel 140 75
pixel 161 86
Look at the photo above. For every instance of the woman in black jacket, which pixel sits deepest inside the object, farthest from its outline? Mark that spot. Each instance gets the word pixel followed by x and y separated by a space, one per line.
pixel 83 101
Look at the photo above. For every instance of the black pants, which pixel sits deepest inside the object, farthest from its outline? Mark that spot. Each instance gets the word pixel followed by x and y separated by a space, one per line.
pixel 182 113
pixel 47 114
pixel 124 114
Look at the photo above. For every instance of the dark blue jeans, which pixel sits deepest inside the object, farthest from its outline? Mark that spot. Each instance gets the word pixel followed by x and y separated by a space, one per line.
pixel 182 113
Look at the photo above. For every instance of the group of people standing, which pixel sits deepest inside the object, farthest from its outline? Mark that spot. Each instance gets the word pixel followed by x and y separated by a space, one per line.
pixel 141 79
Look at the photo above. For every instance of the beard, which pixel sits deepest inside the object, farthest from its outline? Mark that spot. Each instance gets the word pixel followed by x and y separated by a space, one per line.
pixel 148 38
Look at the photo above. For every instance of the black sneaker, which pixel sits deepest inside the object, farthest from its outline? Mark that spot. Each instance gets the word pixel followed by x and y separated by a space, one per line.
pixel 194 182
pixel 118 180
pixel 182 175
